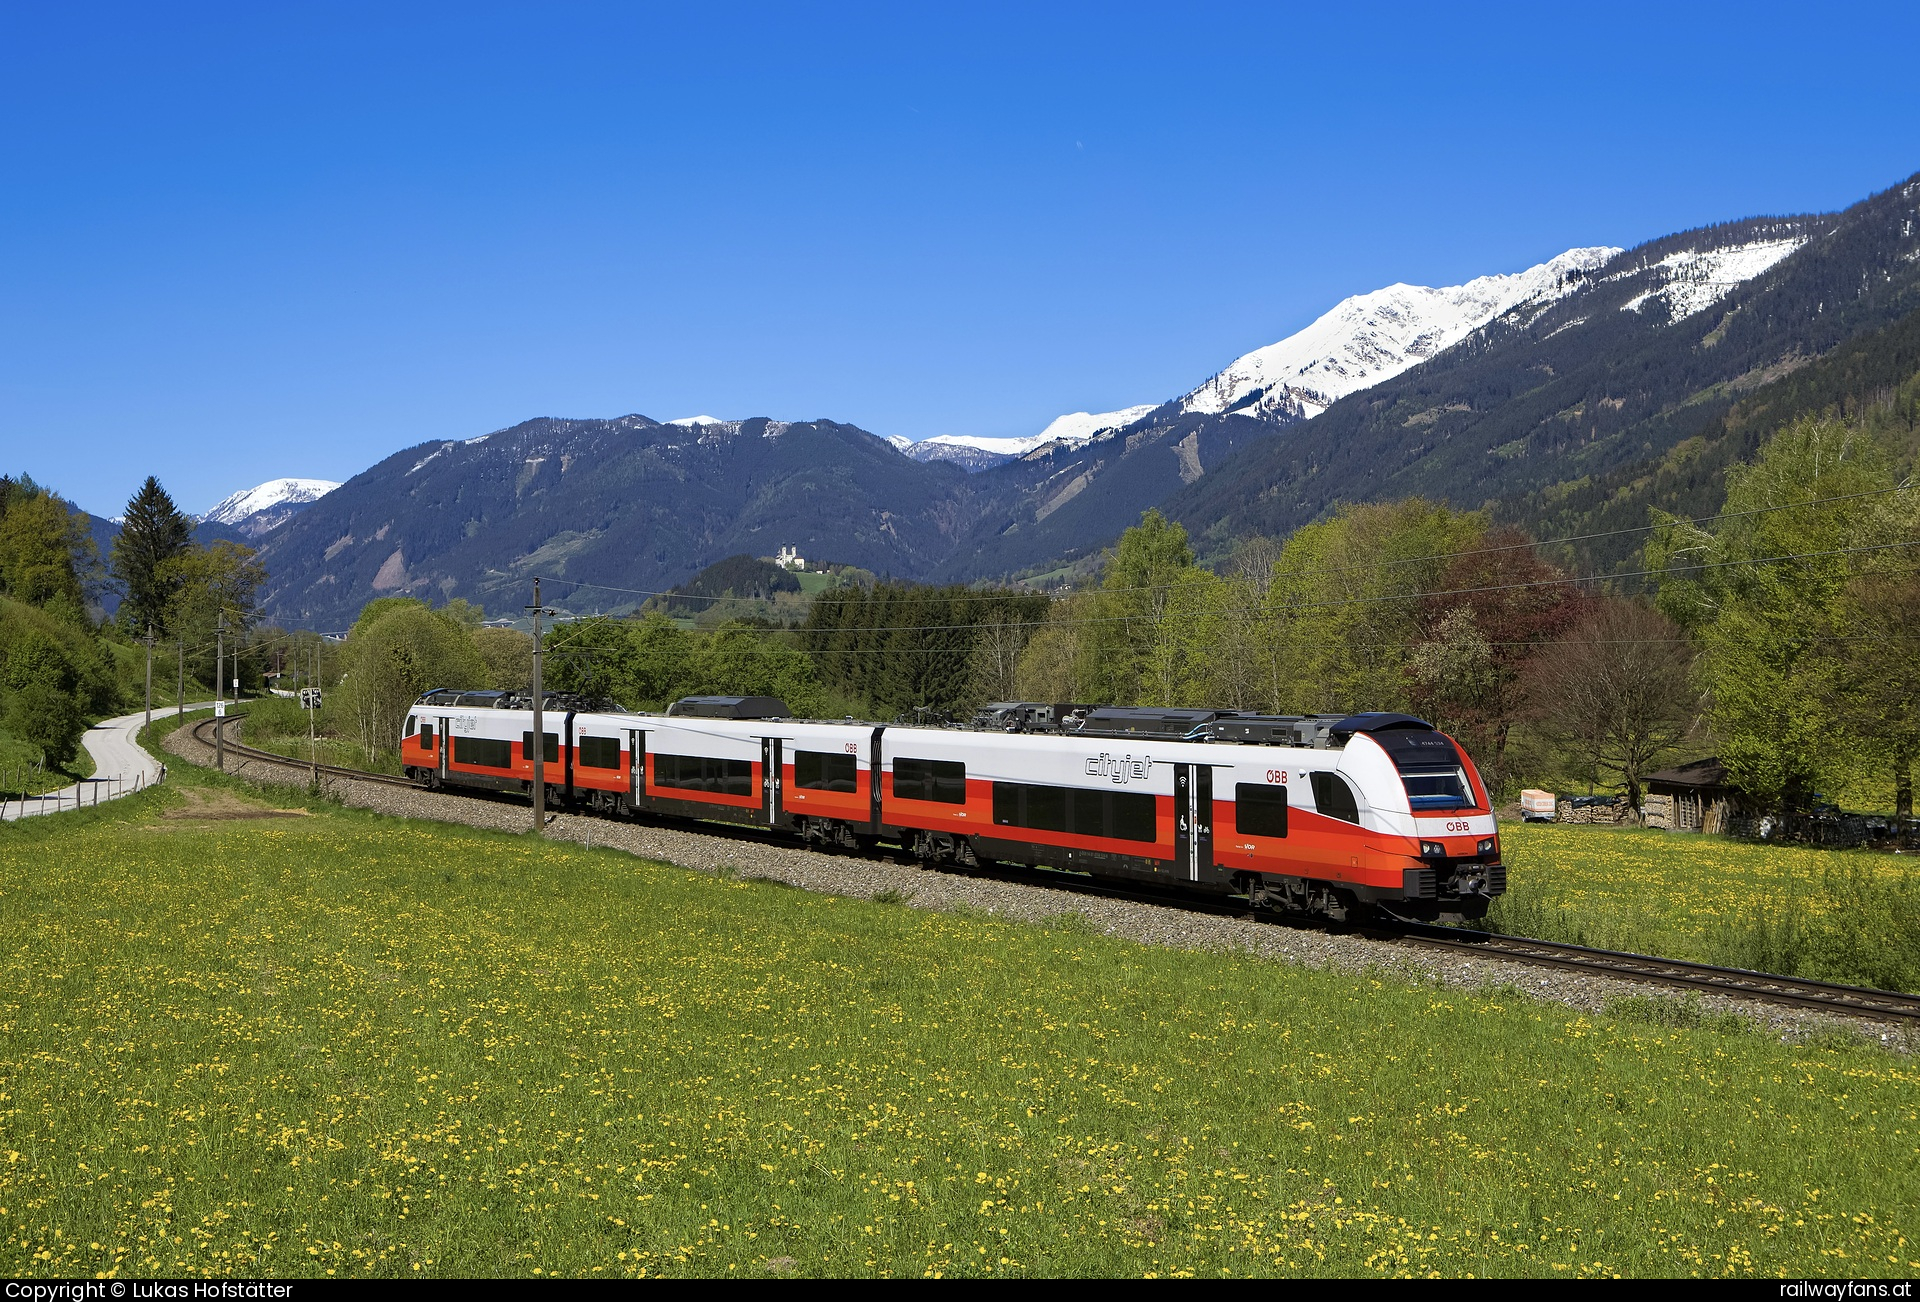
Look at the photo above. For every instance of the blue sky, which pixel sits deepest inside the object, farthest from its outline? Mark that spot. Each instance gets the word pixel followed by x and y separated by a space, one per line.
pixel 250 241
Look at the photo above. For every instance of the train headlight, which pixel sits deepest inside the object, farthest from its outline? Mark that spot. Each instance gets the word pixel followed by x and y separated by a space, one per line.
pixel 1432 850
pixel 1489 845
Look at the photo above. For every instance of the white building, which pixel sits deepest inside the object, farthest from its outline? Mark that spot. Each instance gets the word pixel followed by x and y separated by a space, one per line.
pixel 790 559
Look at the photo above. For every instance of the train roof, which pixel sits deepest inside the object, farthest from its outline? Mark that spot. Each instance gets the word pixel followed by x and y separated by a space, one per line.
pixel 730 707
pixel 1400 734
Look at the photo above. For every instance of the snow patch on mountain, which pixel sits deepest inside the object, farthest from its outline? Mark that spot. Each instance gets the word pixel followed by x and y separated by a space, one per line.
pixel 254 511
pixel 1693 280
pixel 977 453
pixel 1373 337
pixel 1077 427
pixel 693 421
pixel 968 451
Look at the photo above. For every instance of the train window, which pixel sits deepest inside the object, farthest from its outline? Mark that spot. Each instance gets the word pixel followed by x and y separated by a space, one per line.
pixel 1437 789
pixel 721 777
pixel 412 725
pixel 1121 815
pixel 483 751
pixel 1334 798
pixel 941 780
pixel 599 752
pixel 1087 812
pixel 1131 817
pixel 1259 810
pixel 821 771
pixel 550 744
pixel 1041 807
pixel 426 736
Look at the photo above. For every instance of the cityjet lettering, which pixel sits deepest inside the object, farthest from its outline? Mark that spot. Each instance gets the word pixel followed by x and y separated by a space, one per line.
pixel 1119 768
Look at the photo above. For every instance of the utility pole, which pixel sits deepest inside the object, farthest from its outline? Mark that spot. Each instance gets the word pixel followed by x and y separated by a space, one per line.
pixel 219 677
pixel 180 663
pixel 539 725
pixel 149 675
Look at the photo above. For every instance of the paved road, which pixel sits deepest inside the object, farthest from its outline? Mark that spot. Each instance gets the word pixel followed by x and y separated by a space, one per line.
pixel 120 767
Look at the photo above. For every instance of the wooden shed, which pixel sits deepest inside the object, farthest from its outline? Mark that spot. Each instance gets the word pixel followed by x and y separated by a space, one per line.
pixel 1696 797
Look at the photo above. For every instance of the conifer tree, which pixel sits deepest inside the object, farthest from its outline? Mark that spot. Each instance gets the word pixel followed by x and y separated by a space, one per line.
pixel 154 533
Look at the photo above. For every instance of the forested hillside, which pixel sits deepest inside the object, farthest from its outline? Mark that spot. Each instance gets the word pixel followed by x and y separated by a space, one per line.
pixel 55 669
pixel 632 504
pixel 1595 387
pixel 1613 387
pixel 1873 379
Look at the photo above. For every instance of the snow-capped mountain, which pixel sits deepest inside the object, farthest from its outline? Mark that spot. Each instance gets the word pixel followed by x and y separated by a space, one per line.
pixel 974 453
pixel 1693 280
pixel 254 511
pixel 1373 337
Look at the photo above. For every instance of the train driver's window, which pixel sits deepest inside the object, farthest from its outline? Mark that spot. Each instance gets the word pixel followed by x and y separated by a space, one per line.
pixel 412 723
pixel 1334 798
pixel 1259 810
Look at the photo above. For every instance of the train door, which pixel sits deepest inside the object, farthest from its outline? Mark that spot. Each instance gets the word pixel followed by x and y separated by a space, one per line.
pixel 637 766
pixel 771 774
pixel 446 746
pixel 566 753
pixel 1193 820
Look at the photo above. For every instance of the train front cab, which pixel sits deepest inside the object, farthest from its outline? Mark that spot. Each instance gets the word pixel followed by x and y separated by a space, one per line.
pixel 1434 848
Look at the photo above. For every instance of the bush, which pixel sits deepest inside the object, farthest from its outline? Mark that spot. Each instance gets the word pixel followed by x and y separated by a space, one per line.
pixel 1859 927
pixel 44 716
pixel 390 658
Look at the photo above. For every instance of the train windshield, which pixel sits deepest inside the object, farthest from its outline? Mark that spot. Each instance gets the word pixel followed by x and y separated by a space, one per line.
pixel 1438 789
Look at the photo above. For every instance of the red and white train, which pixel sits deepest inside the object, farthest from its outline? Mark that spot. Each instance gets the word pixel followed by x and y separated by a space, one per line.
pixel 1321 814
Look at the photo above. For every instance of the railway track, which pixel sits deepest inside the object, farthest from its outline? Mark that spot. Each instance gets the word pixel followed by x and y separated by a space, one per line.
pixel 202 733
pixel 1764 987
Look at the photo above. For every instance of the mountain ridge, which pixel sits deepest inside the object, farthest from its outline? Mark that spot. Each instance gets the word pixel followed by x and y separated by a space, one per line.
pixel 1584 370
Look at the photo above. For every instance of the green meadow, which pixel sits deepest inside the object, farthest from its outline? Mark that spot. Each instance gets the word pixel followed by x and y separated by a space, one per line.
pixel 1834 915
pixel 243 1033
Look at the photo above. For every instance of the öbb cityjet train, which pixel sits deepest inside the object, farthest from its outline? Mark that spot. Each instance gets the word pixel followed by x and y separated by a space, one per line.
pixel 1320 814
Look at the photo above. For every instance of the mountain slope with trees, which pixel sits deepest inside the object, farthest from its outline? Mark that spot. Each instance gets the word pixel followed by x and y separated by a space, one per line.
pixel 1597 382
pixel 632 505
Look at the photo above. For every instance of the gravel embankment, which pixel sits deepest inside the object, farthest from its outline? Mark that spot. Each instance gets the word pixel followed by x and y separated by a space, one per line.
pixel 747 854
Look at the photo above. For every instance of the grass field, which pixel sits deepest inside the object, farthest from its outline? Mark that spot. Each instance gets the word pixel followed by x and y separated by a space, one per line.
pixel 235 1042
pixel 1850 916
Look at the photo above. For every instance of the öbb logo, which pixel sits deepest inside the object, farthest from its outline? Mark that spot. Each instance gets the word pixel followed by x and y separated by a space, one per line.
pixel 1119 768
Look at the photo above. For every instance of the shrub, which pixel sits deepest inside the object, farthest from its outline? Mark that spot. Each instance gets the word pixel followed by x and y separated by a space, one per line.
pixel 45 716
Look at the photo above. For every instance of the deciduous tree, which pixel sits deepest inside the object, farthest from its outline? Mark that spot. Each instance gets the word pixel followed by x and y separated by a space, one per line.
pixel 1764 592
pixel 1617 690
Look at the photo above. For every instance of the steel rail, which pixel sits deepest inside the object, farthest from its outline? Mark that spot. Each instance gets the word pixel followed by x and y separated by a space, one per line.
pixel 1762 987
pixel 1765 987
pixel 241 751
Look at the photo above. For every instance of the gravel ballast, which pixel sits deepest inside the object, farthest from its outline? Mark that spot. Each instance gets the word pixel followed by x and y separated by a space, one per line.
pixel 744 853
